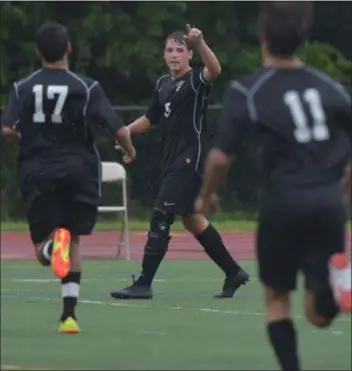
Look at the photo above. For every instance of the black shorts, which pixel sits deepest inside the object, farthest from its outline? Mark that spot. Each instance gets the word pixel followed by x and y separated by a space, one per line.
pixel 61 194
pixel 179 189
pixel 54 210
pixel 72 173
pixel 298 237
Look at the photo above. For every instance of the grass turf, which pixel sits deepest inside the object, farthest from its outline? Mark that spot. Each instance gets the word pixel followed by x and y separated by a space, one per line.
pixel 182 328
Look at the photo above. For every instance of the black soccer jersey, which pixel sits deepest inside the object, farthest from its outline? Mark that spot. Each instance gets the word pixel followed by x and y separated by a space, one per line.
pixel 302 120
pixel 178 108
pixel 53 110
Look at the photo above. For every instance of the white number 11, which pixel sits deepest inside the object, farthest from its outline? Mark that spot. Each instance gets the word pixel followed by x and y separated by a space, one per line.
pixel 303 133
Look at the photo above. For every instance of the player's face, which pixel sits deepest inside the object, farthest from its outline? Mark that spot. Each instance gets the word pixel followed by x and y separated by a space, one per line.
pixel 176 55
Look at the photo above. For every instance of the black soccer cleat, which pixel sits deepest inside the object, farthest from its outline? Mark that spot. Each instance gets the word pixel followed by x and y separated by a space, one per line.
pixel 232 284
pixel 135 291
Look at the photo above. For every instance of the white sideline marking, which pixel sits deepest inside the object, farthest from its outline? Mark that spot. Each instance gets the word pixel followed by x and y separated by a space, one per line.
pixel 34 280
pixel 160 333
pixel 159 280
pixel 140 306
pixel 49 280
pixel 95 302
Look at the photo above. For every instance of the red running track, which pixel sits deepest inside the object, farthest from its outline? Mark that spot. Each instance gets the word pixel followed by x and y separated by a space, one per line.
pixel 103 245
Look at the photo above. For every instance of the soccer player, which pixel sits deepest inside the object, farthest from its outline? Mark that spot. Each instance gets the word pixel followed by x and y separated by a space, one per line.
pixel 302 121
pixel 51 112
pixel 179 108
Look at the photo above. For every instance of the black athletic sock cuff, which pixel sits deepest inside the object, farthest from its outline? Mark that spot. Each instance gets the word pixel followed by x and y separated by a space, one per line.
pixel 74 277
pixel 209 229
pixel 285 323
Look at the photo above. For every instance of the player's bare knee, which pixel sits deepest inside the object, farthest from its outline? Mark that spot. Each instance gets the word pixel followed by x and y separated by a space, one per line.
pixel 277 304
pixel 195 223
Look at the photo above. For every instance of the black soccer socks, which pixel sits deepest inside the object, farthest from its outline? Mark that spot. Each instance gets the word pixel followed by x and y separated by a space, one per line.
pixel 70 286
pixel 282 336
pixel 214 247
pixel 154 253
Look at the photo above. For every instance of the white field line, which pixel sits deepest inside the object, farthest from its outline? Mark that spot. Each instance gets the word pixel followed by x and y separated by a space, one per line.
pixel 158 280
pixel 245 313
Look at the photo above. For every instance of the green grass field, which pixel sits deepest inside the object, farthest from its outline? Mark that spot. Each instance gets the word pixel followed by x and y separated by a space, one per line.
pixel 183 328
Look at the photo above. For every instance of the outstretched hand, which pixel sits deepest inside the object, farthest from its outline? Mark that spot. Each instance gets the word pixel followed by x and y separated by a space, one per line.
pixel 194 35
pixel 203 205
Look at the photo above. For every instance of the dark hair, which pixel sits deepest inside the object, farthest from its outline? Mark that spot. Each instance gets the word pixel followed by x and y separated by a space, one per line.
pixel 285 25
pixel 181 38
pixel 52 41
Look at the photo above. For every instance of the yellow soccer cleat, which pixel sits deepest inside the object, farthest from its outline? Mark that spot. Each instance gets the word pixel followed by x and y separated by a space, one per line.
pixel 60 259
pixel 69 326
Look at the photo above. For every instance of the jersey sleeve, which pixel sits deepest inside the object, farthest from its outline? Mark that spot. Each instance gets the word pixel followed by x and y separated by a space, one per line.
pixel 154 110
pixel 100 111
pixel 11 114
pixel 198 78
pixel 234 121
pixel 346 111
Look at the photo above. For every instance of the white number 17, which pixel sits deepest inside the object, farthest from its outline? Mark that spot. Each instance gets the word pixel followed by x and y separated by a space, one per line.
pixel 61 91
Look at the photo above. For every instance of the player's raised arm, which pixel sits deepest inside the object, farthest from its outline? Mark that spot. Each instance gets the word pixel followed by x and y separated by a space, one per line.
pixel 10 116
pixel 212 67
pixel 100 111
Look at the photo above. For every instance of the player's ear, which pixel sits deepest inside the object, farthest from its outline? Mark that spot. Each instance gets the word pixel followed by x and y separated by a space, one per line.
pixel 69 48
pixel 190 54
pixel 37 52
pixel 261 36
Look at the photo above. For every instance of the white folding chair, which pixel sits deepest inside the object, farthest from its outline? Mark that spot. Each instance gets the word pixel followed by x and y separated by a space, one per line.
pixel 113 172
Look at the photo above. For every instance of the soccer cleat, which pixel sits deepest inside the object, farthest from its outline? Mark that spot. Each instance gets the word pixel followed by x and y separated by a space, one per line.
pixel 135 291
pixel 340 280
pixel 232 284
pixel 60 258
pixel 69 326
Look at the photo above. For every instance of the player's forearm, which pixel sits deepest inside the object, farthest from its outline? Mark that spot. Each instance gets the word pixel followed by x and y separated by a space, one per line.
pixel 10 133
pixel 346 182
pixel 124 138
pixel 209 59
pixel 139 126
pixel 216 168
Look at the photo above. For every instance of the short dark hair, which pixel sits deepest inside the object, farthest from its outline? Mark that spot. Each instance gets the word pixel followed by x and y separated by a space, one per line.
pixel 285 25
pixel 52 41
pixel 181 38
